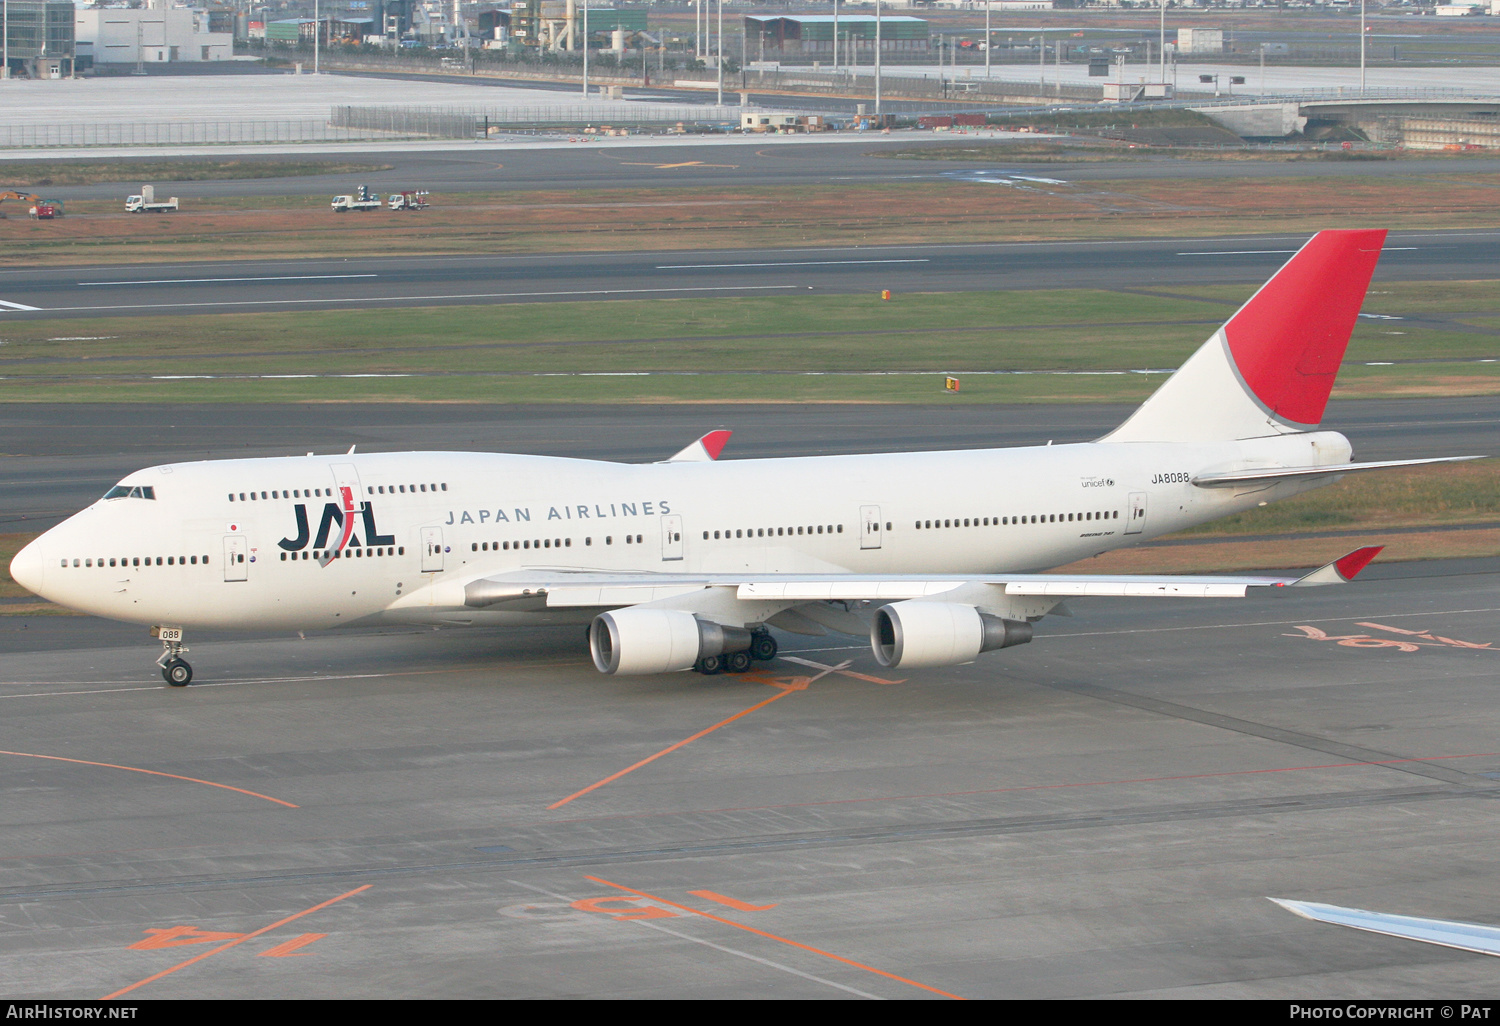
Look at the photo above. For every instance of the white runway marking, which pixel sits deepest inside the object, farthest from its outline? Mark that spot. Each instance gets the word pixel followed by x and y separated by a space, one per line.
pixel 426 299
pixel 17 306
pixel 718 947
pixel 131 686
pixel 198 281
pixel 794 263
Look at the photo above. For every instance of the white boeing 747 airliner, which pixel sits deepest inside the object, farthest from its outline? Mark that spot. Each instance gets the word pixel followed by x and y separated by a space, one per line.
pixel 675 565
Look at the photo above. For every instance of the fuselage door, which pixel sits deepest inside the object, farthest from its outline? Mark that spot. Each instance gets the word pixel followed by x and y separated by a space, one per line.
pixel 869 532
pixel 1137 513
pixel 671 538
pixel 432 550
pixel 236 558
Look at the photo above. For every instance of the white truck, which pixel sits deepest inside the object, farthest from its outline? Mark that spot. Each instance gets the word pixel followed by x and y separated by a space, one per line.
pixel 363 199
pixel 146 202
pixel 409 200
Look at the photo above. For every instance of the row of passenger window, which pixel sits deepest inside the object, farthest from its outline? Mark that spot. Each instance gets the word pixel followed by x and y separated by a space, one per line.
pixel 1035 518
pixel 775 532
pixel 316 493
pixel 139 561
pixel 549 543
pixel 399 550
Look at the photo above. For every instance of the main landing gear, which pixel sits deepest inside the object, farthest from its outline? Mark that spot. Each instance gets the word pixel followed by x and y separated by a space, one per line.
pixel 762 649
pixel 174 669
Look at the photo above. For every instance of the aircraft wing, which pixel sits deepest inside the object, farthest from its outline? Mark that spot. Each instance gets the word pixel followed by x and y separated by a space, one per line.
pixel 1445 932
pixel 703 450
pixel 564 589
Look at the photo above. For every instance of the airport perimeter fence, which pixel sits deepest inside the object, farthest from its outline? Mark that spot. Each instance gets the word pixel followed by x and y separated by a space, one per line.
pixel 184 132
pixel 470 122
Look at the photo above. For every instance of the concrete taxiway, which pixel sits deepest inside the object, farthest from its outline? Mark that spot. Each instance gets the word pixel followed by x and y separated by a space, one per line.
pixel 404 813
pixel 249 286
pixel 518 164
pixel 478 813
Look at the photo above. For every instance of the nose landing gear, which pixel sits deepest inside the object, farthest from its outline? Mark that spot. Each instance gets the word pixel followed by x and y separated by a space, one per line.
pixel 174 669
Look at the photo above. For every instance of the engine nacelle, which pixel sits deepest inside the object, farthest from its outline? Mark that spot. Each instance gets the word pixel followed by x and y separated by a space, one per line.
pixel 658 640
pixel 920 633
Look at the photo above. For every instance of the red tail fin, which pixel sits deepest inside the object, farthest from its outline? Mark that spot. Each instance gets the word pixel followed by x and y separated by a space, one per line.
pixel 1270 369
pixel 1288 340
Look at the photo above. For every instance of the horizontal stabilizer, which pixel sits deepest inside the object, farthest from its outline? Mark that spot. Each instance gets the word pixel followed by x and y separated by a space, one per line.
pixel 704 450
pixel 1273 474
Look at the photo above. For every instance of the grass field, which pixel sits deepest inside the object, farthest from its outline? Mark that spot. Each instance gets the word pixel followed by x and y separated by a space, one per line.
pixel 1045 345
pixel 707 216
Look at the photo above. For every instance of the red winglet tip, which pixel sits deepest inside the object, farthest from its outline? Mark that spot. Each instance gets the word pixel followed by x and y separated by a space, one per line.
pixel 1349 567
pixel 714 442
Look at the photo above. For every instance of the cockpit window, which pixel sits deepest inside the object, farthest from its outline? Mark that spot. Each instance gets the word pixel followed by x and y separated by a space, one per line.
pixel 121 491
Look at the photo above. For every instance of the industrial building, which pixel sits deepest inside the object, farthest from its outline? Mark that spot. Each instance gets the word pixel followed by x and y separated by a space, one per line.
pixel 39 41
pixel 558 24
pixel 114 36
pixel 814 34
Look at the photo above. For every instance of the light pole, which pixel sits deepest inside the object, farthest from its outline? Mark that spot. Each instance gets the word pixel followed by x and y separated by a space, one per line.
pixel 1162 43
pixel 585 49
pixel 720 52
pixel 835 36
pixel 5 71
pixel 315 35
pixel 1361 47
pixel 988 42
pixel 877 61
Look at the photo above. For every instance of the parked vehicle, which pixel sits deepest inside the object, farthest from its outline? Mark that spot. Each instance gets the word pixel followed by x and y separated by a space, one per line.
pixel 147 203
pixel 408 200
pixel 362 199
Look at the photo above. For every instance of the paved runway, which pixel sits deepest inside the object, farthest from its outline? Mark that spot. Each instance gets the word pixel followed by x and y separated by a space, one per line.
pixel 56 459
pixel 246 286
pixel 1101 813
pixel 726 161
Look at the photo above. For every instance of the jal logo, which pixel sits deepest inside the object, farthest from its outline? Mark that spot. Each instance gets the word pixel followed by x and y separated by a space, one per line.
pixel 336 527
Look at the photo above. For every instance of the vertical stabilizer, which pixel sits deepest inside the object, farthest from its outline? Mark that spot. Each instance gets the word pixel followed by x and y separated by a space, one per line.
pixel 1270 368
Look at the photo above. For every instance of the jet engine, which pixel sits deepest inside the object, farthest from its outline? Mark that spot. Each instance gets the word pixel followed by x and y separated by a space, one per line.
pixel 920 633
pixel 658 640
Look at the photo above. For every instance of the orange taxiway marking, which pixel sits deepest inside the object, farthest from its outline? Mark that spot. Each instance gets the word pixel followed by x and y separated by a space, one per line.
pixel 774 937
pixel 727 902
pixel 842 672
pixel 668 751
pixel 154 773
pixel 238 940
pixel 630 910
pixel 177 936
pixel 785 690
pixel 669 167
pixel 288 949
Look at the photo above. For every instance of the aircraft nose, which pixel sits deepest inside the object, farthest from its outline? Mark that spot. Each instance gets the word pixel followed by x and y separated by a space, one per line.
pixel 28 568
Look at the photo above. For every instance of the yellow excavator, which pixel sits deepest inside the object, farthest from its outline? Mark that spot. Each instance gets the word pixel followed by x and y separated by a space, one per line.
pixel 42 210
pixel 26 198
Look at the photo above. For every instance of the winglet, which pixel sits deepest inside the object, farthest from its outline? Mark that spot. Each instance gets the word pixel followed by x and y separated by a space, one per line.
pixel 704 450
pixel 1341 570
